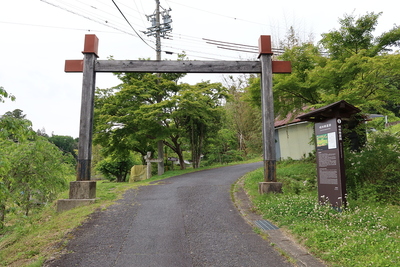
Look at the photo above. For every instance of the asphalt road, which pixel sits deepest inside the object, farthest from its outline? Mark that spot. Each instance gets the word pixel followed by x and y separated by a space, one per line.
pixel 187 220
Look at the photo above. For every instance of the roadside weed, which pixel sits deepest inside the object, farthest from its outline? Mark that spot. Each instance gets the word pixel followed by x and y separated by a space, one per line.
pixel 363 234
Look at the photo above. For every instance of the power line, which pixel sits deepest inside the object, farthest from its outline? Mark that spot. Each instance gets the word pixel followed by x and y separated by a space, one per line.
pixel 89 12
pixel 230 17
pixel 109 20
pixel 88 18
pixel 104 22
pixel 238 47
pixel 138 14
pixel 217 56
pixel 143 21
pixel 217 14
pixel 229 43
pixel 200 45
pixel 206 45
pixel 54 27
pixel 130 24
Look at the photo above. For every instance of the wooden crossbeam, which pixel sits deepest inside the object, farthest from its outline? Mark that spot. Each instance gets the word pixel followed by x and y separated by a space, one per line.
pixel 155 66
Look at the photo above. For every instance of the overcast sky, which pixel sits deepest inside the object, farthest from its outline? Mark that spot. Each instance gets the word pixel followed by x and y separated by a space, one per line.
pixel 37 36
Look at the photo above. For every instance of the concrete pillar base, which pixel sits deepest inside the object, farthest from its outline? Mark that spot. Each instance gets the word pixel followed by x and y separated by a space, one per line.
pixel 269 187
pixel 82 190
pixel 80 193
pixel 68 204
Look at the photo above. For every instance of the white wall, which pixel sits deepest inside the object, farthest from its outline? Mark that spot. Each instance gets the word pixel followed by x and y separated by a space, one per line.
pixel 294 140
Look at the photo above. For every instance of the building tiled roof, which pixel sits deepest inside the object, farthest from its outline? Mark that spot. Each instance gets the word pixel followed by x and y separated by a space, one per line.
pixel 290 118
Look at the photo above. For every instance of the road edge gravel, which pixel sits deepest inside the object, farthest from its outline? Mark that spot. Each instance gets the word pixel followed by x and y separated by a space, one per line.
pixel 277 237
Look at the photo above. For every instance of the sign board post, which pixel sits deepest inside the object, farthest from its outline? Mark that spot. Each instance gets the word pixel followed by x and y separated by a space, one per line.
pixel 173 160
pixel 330 151
pixel 330 162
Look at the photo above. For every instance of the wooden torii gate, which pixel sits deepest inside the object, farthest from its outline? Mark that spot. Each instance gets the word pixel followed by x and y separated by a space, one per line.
pixel 83 190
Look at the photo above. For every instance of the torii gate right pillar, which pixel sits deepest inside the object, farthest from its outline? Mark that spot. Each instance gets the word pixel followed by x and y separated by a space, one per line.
pixel 270 183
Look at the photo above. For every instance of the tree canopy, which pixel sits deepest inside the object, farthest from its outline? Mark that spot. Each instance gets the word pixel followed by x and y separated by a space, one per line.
pixel 4 94
pixel 356 35
pixel 32 170
pixel 349 64
pixel 66 144
pixel 147 108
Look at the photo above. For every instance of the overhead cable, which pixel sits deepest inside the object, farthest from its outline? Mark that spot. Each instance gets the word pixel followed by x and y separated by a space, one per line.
pixel 218 14
pixel 54 27
pixel 131 25
pixel 86 17
pixel 193 45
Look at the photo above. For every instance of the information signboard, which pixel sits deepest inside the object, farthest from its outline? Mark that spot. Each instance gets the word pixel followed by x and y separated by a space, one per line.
pixel 330 162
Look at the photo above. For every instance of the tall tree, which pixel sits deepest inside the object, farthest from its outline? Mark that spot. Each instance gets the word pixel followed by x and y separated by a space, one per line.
pixel 16 113
pixel 15 127
pixel 32 170
pixel 242 117
pixel 131 116
pixel 67 144
pixel 361 70
pixel 370 83
pixel 115 167
pixel 147 108
pixel 357 68
pixel 356 35
pixel 200 112
pixel 36 173
pixel 4 94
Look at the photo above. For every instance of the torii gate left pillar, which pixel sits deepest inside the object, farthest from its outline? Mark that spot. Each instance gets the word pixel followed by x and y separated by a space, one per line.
pixel 83 190
pixel 270 184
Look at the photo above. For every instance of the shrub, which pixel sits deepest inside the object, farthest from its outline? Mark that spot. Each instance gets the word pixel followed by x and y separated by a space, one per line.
pixel 32 173
pixel 297 175
pixel 373 173
pixel 115 169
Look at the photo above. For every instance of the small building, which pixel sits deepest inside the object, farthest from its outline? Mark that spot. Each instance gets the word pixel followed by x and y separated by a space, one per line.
pixel 294 135
pixel 293 138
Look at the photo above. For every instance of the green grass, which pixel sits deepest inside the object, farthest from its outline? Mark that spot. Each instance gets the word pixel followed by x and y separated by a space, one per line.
pixel 29 241
pixel 365 234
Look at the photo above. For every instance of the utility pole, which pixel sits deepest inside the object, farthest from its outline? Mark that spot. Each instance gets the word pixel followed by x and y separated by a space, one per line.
pixel 158 35
pixel 159 30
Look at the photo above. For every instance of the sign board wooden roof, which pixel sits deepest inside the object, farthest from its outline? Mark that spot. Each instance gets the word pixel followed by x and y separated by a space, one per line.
pixel 340 109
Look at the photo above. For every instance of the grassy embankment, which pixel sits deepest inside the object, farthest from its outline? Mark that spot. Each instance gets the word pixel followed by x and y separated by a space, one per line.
pixel 29 241
pixel 365 234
